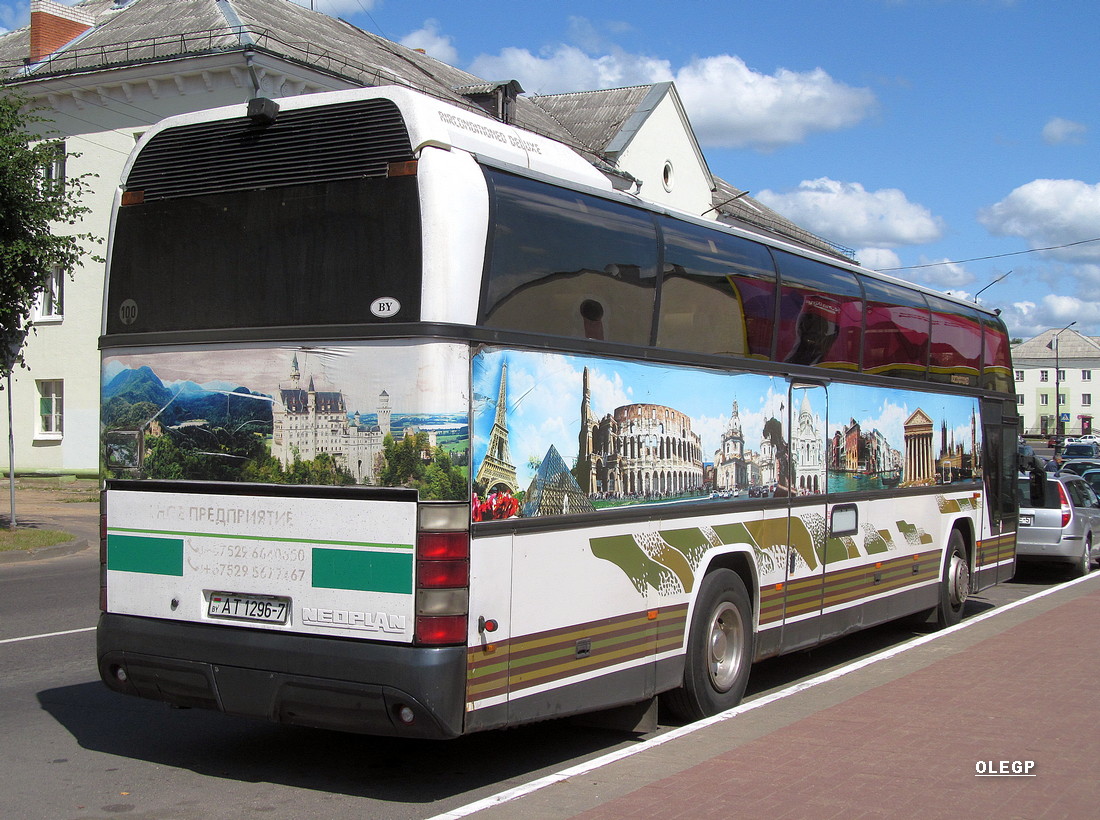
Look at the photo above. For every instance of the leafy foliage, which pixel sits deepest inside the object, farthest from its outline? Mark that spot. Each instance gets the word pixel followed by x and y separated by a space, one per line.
pixel 33 204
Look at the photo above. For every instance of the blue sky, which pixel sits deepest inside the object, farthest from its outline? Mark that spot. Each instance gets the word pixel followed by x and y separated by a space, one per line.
pixel 916 132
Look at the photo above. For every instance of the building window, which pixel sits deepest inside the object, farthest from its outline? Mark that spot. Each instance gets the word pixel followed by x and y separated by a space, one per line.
pixel 1086 399
pixel 51 400
pixel 1044 400
pixel 53 172
pixel 1044 375
pixel 1061 375
pixel 1019 400
pixel 1086 375
pixel 1019 375
pixel 51 303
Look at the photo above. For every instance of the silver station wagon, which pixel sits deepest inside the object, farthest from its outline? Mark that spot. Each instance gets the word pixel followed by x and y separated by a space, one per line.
pixel 1059 521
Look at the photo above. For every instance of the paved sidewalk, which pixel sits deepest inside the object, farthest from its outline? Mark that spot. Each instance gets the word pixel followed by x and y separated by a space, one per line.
pixel 904 737
pixel 71 507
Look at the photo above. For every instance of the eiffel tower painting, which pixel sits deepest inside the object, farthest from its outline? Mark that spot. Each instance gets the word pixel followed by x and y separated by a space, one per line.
pixel 497 471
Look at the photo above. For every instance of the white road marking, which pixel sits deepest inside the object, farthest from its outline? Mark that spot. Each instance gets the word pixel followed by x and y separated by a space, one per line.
pixel 46 635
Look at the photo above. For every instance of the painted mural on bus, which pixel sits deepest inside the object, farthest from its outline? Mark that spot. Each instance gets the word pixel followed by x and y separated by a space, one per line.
pixel 557 434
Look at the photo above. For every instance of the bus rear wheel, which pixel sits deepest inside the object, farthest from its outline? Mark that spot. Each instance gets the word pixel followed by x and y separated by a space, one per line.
pixel 719 649
pixel 955 584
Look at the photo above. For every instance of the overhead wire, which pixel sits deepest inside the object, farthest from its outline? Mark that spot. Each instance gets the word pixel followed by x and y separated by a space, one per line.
pixel 992 256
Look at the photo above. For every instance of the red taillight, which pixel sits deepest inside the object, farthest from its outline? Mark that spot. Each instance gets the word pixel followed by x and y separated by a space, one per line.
pixel 441 629
pixel 433 546
pixel 442 575
pixel 1063 499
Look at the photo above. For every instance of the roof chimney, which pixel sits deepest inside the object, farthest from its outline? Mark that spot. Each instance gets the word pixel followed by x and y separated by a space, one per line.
pixel 54 25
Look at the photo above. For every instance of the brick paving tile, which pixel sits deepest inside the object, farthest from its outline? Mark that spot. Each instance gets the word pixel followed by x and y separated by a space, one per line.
pixel 911 746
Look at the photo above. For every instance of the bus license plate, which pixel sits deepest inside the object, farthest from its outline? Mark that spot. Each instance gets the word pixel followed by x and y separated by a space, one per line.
pixel 263 608
pixel 1025 520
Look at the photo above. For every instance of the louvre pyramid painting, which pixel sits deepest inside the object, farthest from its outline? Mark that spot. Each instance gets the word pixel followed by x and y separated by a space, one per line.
pixel 554 490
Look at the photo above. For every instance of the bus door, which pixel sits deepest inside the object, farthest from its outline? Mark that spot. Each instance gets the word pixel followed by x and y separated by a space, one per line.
pixel 803 479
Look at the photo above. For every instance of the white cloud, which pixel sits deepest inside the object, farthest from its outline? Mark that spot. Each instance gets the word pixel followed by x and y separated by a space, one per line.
pixel 568 68
pixel 1027 319
pixel 733 106
pixel 878 258
pixel 1060 131
pixel 846 212
pixel 730 104
pixel 1049 212
pixel 437 45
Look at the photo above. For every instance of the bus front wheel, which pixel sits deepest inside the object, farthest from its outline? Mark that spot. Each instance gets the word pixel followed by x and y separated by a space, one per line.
pixel 719 649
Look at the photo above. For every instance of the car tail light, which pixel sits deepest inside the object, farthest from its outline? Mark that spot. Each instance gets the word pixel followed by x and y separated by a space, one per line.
pixel 1063 499
pixel 442 574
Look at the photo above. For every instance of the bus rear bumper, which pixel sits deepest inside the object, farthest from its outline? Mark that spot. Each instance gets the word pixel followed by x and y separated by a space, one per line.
pixel 295 679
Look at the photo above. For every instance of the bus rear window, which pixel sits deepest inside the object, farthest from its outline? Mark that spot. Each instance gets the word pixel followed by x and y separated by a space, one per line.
pixel 316 254
pixel 956 343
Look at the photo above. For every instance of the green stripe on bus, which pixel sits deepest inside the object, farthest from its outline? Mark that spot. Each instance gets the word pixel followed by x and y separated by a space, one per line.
pixel 140 553
pixel 362 570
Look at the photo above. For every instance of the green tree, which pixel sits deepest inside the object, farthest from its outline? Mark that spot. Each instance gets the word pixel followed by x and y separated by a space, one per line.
pixel 35 201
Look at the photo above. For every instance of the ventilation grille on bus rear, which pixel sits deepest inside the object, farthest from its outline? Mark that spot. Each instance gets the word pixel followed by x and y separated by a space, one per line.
pixel 323 144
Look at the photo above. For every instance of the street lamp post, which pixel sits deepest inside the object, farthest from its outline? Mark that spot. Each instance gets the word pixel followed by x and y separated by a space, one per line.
pixel 1059 429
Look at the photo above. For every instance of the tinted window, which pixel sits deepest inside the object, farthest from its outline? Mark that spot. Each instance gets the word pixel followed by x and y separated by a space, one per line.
pixel 820 313
pixel 569 264
pixel 717 292
pixel 225 260
pixel 956 344
pixel 895 342
pixel 996 358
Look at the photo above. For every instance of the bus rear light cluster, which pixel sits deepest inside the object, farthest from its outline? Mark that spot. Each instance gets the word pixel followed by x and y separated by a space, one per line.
pixel 442 574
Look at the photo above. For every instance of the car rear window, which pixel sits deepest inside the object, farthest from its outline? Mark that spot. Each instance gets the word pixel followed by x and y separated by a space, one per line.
pixel 1079 451
pixel 1050 500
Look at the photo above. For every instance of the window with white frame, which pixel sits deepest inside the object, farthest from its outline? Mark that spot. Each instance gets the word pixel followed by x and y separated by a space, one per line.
pixel 1086 399
pixel 1044 400
pixel 1086 375
pixel 1019 400
pixel 1061 375
pixel 1044 375
pixel 51 408
pixel 51 304
pixel 1019 375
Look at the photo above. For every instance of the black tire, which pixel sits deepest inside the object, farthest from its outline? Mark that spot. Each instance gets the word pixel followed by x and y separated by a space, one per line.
pixel 719 649
pixel 955 583
pixel 1084 563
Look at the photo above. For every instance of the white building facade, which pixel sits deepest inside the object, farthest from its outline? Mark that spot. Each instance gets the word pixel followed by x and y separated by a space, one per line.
pixel 1057 376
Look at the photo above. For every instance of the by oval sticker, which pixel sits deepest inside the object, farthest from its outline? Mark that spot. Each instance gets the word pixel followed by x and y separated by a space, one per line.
pixel 385 307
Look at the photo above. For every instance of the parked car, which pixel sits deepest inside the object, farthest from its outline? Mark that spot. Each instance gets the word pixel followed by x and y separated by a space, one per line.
pixel 1079 466
pixel 1092 476
pixel 1081 449
pixel 1059 521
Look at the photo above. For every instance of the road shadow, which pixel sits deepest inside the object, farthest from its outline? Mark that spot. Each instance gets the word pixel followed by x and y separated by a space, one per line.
pixel 388 769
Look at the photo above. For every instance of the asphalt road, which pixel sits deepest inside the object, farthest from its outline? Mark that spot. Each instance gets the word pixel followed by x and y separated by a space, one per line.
pixel 70 748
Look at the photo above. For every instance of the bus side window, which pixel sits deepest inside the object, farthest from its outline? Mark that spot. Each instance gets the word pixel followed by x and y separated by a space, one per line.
pixel 820 314
pixel 717 292
pixel 956 343
pixel 996 364
pixel 896 338
pixel 568 264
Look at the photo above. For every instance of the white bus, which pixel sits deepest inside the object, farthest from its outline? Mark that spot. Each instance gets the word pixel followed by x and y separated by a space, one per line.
pixel 414 426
